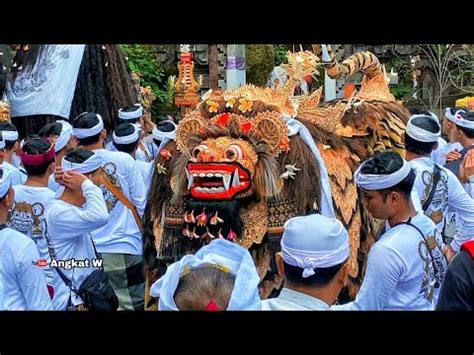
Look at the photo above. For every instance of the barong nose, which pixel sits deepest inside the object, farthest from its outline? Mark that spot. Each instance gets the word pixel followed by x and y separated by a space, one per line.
pixel 208 156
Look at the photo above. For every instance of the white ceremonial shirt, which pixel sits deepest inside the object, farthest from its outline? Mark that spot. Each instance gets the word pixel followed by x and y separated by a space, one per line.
pixel 69 230
pixel 290 300
pixel 400 274
pixel 121 234
pixel 27 216
pixel 449 195
pixel 18 178
pixel 22 281
pixel 146 172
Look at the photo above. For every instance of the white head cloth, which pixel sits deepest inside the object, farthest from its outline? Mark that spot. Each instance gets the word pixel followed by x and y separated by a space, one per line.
pixel 64 136
pixel 461 121
pixel 296 127
pixel 131 138
pixel 245 295
pixel 2 141
pixel 449 115
pixel 5 182
pixel 160 135
pixel 419 134
pixel 10 135
pixel 88 166
pixel 381 181
pixel 89 132
pixel 132 115
pixel 314 241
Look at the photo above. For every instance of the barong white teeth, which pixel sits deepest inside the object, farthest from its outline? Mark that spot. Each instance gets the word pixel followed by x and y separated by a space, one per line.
pixel 226 181
pixel 236 180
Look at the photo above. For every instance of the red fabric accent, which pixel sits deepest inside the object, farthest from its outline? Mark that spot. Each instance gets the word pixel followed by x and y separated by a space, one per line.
pixel 212 306
pixel 50 291
pixel 469 247
pixel 37 159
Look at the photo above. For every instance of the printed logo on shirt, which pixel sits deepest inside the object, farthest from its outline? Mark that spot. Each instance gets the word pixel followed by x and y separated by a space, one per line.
pixel 110 170
pixel 439 203
pixel 26 218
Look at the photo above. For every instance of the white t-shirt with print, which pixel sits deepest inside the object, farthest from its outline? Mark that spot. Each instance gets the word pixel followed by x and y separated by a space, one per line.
pixel 27 216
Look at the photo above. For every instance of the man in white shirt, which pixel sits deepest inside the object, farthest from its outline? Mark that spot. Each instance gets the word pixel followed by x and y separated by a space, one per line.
pixel 70 219
pixel 22 280
pixel 438 188
pixel 125 139
pixel 406 265
pixel 120 240
pixel 312 262
pixel 134 115
pixel 32 199
pixel 10 135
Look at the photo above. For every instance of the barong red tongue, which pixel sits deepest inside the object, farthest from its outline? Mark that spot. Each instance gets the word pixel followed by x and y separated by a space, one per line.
pixel 37 159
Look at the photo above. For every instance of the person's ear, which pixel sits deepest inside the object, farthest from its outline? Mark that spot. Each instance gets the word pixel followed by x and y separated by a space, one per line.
pixel 280 264
pixel 51 168
pixel 103 133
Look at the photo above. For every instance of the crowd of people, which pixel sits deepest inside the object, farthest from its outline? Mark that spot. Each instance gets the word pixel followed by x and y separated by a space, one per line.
pixel 72 197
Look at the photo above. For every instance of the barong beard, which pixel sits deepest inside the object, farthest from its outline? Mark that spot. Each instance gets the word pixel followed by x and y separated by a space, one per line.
pixel 209 220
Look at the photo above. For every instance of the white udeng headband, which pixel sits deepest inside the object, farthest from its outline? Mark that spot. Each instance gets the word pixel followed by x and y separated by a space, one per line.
pixel 461 121
pixel 380 181
pixel 310 260
pixel 133 115
pixel 64 137
pixel 90 165
pixel 89 132
pixel 160 135
pixel 10 135
pixel 5 182
pixel 419 134
pixel 131 138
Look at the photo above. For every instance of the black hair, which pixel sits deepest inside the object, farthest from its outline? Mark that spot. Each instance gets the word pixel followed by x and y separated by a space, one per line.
pixel 426 122
pixel 388 162
pixel 36 147
pixel 87 120
pixel 122 130
pixel 7 126
pixel 467 115
pixel 79 155
pixel 164 126
pixel 322 276
pixel 51 129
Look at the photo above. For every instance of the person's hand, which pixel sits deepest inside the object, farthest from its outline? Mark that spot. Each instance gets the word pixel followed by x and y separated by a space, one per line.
pixel 73 179
pixel 452 156
pixel 468 163
pixel 449 253
pixel 58 174
pixel 148 124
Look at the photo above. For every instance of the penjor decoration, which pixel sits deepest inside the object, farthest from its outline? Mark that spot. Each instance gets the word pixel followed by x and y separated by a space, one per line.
pixel 186 86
